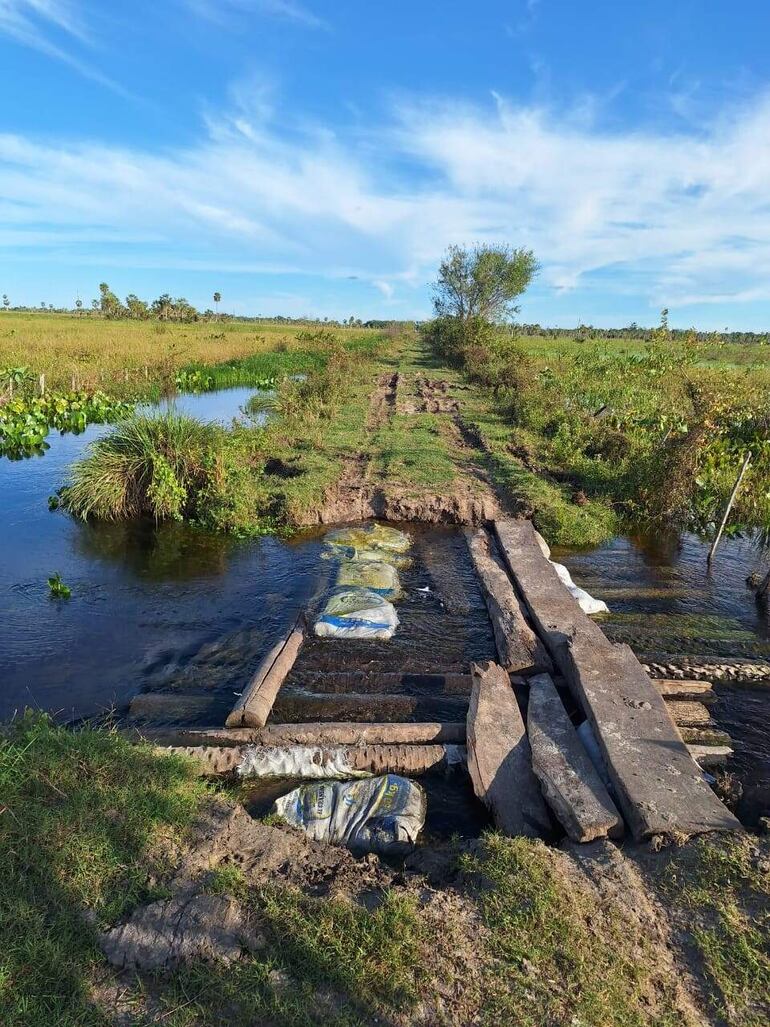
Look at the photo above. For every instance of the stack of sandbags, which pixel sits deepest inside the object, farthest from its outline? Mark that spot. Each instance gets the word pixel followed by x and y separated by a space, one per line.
pixel 361 606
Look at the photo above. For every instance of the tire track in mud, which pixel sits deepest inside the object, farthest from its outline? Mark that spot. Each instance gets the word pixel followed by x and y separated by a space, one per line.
pixel 359 494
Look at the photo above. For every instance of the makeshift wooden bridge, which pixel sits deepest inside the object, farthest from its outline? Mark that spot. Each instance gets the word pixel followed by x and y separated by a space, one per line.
pixel 632 765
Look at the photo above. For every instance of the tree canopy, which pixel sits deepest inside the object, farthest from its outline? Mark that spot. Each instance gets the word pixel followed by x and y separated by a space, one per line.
pixel 482 282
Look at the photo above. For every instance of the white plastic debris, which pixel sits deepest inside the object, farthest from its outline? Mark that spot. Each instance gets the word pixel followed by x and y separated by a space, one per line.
pixel 356 613
pixel 586 602
pixel 300 761
pixel 382 814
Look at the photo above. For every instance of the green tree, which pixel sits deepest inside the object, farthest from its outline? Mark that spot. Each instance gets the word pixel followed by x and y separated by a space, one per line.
pixel 217 298
pixel 109 303
pixel 6 301
pixel 137 308
pixel 482 282
pixel 79 305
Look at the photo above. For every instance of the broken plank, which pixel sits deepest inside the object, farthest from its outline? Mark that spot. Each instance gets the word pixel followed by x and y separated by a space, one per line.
pixel 333 733
pixel 309 761
pixel 571 785
pixel 710 755
pixel 519 649
pixel 253 707
pixel 499 757
pixel 704 736
pixel 656 783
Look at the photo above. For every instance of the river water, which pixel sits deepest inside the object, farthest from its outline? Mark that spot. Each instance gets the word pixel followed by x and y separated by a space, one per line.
pixel 174 610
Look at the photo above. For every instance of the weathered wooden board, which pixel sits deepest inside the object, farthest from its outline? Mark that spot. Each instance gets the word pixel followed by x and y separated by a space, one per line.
pixel 689 714
pixel 499 757
pixel 361 681
pixel 253 707
pixel 710 755
pixel 333 733
pixel 372 707
pixel 519 649
pixel 571 785
pixel 214 761
pixel 674 690
pixel 658 786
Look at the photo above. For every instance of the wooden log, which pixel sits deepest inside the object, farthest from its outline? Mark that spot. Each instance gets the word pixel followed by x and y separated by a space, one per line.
pixel 689 714
pixel 710 755
pixel 214 761
pixel 571 785
pixel 656 784
pixel 671 689
pixel 334 733
pixel 254 705
pixel 519 649
pixel 499 757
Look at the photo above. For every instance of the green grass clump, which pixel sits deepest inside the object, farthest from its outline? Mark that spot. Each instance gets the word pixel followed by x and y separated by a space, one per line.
pixel 558 958
pixel 82 817
pixel 719 891
pixel 170 467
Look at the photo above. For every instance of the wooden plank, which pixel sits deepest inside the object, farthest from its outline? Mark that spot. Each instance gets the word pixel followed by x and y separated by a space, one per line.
pixel 656 783
pixel 330 682
pixel 371 707
pixel 218 761
pixel 689 714
pixel 671 689
pixel 704 736
pixel 253 707
pixel 710 755
pixel 499 757
pixel 519 649
pixel 334 733
pixel 571 785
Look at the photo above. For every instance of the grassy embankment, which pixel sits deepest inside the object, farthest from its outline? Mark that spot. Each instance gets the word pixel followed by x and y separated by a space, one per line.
pixel 591 435
pixel 93 827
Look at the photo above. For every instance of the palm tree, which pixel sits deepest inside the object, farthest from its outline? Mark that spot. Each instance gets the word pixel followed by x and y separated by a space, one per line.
pixel 217 298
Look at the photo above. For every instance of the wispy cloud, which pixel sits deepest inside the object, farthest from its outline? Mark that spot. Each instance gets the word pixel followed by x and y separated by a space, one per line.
pixel 674 219
pixel 53 27
pixel 288 10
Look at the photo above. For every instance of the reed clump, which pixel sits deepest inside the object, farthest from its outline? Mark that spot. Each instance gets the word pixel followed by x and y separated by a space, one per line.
pixel 168 467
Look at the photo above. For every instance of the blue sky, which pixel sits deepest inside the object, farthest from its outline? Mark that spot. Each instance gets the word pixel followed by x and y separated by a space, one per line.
pixel 308 157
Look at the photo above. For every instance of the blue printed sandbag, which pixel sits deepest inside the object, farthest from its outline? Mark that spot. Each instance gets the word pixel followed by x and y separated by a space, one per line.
pixel 356 613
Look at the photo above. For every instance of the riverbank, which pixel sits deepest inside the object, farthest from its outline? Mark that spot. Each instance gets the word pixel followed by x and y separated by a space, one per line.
pixel 491 932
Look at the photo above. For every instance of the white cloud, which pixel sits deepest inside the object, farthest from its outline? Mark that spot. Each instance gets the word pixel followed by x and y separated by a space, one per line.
pixel 39 24
pixel 288 10
pixel 671 218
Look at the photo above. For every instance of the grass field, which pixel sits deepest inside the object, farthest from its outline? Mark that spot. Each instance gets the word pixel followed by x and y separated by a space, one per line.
pixel 114 355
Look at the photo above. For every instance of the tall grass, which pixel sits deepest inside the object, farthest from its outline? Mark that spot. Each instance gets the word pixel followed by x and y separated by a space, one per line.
pixel 169 467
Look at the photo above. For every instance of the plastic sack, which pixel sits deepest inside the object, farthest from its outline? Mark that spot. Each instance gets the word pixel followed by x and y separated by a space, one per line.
pixel 308 761
pixel 378 536
pixel 356 613
pixel 586 602
pixel 381 578
pixel 382 814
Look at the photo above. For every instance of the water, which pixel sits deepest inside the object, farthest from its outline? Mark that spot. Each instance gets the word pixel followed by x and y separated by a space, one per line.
pixel 665 600
pixel 149 605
